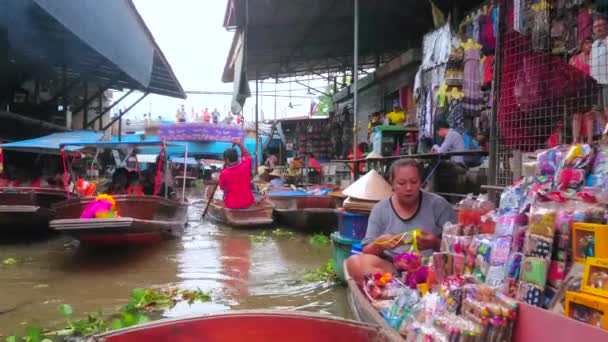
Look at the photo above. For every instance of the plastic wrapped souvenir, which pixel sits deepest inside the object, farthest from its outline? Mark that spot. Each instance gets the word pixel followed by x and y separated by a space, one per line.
pixel 482 245
pixel 513 197
pixel 519 238
pixel 557 273
pixel 538 246
pixel 534 270
pixel 542 219
pixel 455 244
pixel 531 294
pixel 549 160
pixel 598 176
pixel 573 168
pixel 506 224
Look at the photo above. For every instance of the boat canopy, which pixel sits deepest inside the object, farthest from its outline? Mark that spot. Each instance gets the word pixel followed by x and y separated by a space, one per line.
pixel 120 144
pixel 51 144
pixel 180 160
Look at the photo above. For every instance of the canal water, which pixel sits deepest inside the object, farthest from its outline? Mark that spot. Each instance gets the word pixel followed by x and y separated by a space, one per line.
pixel 240 272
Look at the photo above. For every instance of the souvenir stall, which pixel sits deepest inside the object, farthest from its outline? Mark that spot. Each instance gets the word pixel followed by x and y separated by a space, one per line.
pixel 542 253
pixel 307 136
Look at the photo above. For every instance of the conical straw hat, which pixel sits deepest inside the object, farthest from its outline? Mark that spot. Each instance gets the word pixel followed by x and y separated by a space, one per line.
pixel 371 187
pixel 373 155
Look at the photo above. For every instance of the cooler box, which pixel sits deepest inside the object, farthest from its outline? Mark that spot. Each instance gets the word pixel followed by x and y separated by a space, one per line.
pixel 341 249
pixel 352 225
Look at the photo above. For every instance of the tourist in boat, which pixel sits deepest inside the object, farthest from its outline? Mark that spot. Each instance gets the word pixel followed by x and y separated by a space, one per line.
pixel 235 178
pixel 149 180
pixel 409 208
pixel 120 180
pixel 134 187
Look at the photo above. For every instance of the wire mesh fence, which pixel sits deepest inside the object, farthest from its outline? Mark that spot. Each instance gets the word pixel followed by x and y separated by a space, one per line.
pixel 554 79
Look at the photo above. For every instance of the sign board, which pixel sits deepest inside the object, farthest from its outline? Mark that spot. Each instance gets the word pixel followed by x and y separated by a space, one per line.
pixel 200 131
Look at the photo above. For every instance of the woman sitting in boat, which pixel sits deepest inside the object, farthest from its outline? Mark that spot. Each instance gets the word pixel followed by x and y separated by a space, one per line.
pixel 134 187
pixel 409 208
pixel 120 180
pixel 235 178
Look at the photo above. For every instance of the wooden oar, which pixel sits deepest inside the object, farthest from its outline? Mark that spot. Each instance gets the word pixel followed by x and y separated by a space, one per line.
pixel 209 201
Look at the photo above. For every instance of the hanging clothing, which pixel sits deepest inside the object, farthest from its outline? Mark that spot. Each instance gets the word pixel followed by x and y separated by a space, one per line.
pixel 584 25
pixel 455 117
pixel 472 82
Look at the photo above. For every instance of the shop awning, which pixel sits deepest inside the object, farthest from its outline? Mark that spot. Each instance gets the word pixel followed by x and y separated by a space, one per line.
pixel 50 144
pixel 106 42
pixel 303 37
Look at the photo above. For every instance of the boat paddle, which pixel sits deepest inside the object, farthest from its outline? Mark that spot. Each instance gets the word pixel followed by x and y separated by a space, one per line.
pixel 209 201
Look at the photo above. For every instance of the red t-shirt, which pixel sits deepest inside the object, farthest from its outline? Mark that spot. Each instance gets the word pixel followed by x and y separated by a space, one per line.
pixel 235 181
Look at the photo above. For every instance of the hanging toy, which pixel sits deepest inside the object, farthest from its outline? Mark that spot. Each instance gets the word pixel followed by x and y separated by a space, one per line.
pixel 104 206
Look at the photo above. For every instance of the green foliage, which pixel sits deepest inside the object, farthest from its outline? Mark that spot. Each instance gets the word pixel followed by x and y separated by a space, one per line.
pixel 319 240
pixel 282 232
pixel 260 238
pixel 9 261
pixel 324 273
pixel 135 312
pixel 325 102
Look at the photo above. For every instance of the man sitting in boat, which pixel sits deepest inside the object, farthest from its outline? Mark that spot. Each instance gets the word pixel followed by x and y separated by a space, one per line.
pixel 408 209
pixel 235 178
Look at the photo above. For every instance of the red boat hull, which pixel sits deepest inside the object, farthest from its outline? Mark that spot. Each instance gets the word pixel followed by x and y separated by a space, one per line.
pixel 28 209
pixel 144 219
pixel 252 326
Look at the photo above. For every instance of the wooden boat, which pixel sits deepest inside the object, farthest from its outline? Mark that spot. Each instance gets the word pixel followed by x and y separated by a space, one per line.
pixel 361 307
pixel 305 212
pixel 28 209
pixel 143 219
pixel 251 326
pixel 257 215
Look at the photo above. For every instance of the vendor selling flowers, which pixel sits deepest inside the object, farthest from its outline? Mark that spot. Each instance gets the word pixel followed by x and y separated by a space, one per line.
pixel 409 219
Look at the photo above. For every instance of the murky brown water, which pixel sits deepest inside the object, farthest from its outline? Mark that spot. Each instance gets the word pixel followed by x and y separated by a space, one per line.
pixel 241 275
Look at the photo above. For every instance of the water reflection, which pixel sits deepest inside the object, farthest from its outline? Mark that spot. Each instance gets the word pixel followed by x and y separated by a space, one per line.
pixel 239 273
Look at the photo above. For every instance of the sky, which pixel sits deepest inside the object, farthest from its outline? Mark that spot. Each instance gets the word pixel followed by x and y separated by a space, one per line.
pixel 191 35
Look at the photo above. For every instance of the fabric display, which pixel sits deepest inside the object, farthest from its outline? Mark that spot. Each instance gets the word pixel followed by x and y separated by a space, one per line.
pixel 472 79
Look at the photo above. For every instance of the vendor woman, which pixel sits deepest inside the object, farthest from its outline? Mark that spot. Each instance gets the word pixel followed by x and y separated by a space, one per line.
pixel 409 208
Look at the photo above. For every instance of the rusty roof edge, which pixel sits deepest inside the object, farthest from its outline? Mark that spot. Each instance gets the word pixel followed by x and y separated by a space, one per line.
pixel 157 48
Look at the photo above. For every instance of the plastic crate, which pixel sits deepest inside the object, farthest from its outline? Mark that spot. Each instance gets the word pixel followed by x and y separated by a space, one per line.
pixel 352 225
pixel 341 248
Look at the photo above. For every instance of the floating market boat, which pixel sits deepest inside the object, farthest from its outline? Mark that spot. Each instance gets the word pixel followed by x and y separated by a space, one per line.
pixel 144 219
pixel 140 219
pixel 362 309
pixel 28 209
pixel 257 215
pixel 304 211
pixel 252 326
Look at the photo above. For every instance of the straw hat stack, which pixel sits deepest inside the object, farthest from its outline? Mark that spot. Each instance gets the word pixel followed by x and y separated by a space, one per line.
pixel 366 192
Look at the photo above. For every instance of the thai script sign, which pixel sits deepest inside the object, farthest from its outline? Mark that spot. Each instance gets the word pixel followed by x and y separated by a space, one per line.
pixel 200 131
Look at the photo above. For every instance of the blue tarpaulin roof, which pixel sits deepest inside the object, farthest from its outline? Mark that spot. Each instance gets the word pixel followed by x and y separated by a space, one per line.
pixel 50 144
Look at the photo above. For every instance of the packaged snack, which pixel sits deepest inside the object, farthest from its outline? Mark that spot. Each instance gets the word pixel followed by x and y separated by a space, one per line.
pixel 534 270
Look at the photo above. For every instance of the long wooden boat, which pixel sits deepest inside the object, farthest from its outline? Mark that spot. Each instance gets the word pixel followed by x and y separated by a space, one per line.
pixel 361 307
pixel 28 209
pixel 252 326
pixel 257 215
pixel 305 212
pixel 143 219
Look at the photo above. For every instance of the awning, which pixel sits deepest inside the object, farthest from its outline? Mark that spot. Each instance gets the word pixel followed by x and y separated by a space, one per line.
pixel 302 37
pixel 147 158
pixel 106 42
pixel 50 144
